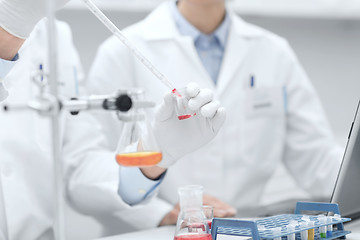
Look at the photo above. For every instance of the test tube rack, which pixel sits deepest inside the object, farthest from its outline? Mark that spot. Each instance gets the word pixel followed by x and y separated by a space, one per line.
pixel 249 229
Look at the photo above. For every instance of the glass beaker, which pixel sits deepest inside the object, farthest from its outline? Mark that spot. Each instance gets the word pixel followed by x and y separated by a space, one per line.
pixel 131 150
pixel 191 223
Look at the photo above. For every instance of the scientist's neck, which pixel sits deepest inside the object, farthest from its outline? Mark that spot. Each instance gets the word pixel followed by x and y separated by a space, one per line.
pixel 206 16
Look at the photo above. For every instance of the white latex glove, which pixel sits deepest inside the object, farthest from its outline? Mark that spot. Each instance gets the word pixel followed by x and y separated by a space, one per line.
pixel 177 138
pixel 18 17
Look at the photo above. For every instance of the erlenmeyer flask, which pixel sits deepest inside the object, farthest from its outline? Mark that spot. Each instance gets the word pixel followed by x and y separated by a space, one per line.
pixel 130 150
pixel 191 223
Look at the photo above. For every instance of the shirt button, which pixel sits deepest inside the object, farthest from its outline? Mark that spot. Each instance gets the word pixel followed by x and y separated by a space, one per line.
pixel 206 44
pixel 142 191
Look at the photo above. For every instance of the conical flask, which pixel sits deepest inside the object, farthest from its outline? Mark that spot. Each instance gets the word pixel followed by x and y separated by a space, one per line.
pixel 131 150
pixel 191 223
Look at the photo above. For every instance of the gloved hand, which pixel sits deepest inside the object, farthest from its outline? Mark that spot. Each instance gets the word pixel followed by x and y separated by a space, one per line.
pixel 18 17
pixel 177 138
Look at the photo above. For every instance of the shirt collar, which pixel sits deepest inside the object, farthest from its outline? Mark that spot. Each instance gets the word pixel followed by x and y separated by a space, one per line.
pixel 187 29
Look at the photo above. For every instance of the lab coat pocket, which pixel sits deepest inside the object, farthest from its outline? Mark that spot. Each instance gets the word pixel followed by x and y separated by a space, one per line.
pixel 264 126
pixel 265 101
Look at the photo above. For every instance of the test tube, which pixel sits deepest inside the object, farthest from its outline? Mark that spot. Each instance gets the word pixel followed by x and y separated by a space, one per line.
pixel 337 217
pixel 291 228
pixel 277 232
pixel 329 228
pixel 311 232
pixel 304 234
pixel 322 229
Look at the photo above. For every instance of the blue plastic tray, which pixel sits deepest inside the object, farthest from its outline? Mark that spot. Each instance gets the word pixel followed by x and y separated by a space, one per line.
pixel 250 228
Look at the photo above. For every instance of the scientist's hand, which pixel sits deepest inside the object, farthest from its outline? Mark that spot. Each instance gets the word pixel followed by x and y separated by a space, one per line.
pixel 18 17
pixel 177 138
pixel 221 210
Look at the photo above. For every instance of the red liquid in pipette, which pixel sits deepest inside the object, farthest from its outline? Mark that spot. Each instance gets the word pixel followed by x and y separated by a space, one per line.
pixel 183 117
pixel 194 237
pixel 176 92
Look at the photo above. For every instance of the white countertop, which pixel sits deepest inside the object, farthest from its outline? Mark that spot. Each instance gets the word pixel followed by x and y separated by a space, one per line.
pixel 167 233
pixel 161 233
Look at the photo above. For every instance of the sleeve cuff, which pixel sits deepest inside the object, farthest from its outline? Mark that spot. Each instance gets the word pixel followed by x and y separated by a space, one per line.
pixel 134 187
pixel 15 58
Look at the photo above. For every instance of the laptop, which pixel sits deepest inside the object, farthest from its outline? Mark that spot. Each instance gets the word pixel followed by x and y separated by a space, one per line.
pixel 347 187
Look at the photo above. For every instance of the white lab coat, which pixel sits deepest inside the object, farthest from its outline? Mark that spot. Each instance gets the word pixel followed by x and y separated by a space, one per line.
pixel 25 146
pixel 25 140
pixel 91 174
pixel 279 119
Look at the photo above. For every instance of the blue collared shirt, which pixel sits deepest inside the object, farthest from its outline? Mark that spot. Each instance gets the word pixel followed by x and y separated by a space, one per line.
pixel 210 48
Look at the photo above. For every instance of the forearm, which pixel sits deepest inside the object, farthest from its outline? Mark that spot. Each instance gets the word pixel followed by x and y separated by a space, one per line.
pixel 9 45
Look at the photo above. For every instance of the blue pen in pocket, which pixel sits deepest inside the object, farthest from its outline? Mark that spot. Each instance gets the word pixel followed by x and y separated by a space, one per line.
pixel 252 81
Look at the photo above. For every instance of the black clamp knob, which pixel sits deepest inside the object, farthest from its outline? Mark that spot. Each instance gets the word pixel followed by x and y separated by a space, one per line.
pixel 122 103
pixel 74 112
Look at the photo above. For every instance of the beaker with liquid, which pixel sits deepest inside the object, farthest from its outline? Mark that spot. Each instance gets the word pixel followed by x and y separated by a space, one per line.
pixel 132 150
pixel 191 223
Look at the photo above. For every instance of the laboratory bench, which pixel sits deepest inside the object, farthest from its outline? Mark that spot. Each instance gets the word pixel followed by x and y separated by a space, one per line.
pixel 167 233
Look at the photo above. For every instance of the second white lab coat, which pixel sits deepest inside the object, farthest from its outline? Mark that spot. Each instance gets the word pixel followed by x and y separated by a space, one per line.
pixel 26 161
pixel 25 139
pixel 279 119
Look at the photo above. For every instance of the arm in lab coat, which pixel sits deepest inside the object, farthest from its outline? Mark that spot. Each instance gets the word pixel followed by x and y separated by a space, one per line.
pixel 112 70
pixel 92 174
pixel 311 153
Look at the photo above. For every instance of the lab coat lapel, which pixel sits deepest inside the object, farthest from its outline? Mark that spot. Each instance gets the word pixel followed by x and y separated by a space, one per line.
pixel 167 31
pixel 194 64
pixel 160 17
pixel 236 51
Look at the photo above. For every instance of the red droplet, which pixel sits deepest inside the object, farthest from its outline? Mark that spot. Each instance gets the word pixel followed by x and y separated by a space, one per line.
pixel 174 91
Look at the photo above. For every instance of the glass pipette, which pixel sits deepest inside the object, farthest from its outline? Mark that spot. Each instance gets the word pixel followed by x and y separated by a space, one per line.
pixel 111 26
pixel 101 16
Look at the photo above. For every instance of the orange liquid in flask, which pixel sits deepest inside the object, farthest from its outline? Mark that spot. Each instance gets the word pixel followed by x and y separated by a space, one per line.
pixel 139 158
